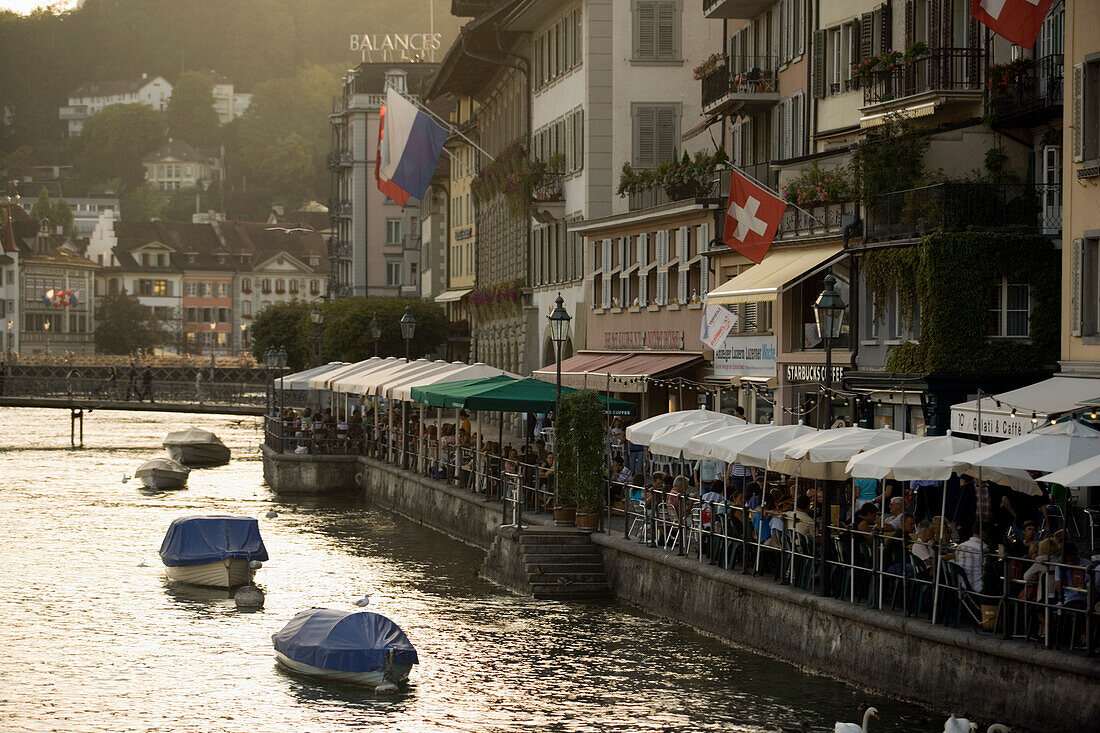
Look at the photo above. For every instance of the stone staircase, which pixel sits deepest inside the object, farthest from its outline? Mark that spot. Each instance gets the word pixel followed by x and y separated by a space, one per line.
pixel 562 564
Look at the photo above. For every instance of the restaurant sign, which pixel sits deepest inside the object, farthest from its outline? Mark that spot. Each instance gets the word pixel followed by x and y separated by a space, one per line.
pixel 638 340
pixel 797 373
pixel 745 356
pixel 391 47
pixel 993 424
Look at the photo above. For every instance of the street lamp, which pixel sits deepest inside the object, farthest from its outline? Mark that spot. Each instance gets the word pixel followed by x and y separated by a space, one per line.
pixel 11 327
pixel 244 334
pixel 375 331
pixel 46 328
pixel 408 328
pixel 559 332
pixel 213 341
pixel 318 318
pixel 829 313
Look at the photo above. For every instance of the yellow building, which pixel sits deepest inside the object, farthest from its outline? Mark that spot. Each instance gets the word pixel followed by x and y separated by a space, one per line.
pixel 1081 255
pixel 461 228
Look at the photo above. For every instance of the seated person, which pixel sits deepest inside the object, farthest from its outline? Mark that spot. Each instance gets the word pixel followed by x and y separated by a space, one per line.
pixel 896 510
pixel 798 518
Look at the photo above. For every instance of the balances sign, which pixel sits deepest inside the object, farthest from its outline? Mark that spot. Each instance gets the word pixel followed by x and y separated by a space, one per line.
pixel 390 47
pixel 745 356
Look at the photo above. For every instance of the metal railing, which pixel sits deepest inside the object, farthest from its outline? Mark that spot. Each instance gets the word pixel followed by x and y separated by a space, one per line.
pixel 101 389
pixel 740 75
pixel 1037 91
pixel 941 70
pixel 1020 207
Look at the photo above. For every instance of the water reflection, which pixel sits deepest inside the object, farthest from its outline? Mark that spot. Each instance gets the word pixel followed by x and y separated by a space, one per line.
pixel 94 641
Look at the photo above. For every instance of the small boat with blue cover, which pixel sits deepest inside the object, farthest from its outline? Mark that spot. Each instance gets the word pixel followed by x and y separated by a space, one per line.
pixel 212 550
pixel 360 647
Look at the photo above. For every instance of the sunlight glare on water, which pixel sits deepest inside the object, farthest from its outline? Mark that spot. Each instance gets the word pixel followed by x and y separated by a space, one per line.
pixel 95 639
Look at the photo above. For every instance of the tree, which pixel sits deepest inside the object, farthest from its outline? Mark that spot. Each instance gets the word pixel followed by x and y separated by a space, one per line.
pixel 143 203
pixel 191 115
pixel 125 326
pixel 116 140
pixel 43 207
pixel 277 326
pixel 347 334
pixel 61 215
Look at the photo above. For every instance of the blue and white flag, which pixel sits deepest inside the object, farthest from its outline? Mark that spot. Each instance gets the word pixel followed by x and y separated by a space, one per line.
pixel 409 145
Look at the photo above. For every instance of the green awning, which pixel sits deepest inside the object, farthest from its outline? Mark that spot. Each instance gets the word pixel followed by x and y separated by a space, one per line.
pixel 505 394
pixel 453 395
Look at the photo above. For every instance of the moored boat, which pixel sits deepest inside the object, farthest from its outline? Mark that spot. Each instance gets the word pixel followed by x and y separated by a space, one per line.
pixel 162 473
pixel 196 447
pixel 360 647
pixel 213 550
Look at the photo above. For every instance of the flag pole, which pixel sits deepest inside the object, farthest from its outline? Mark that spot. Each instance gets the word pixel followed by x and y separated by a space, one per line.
pixel 450 128
pixel 775 193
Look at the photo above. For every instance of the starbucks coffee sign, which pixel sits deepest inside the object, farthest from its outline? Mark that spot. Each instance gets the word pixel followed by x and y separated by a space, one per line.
pixel 396 47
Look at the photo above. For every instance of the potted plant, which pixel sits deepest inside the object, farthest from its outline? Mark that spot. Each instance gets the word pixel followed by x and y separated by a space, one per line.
pixel 579 436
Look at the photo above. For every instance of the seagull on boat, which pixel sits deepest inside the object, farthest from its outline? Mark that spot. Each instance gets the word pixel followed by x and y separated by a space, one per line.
pixel 286 230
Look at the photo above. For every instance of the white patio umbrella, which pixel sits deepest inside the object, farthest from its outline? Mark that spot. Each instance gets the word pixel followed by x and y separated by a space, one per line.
pixel 641 433
pixel 1082 473
pixel 702 446
pixel 751 447
pixel 824 454
pixel 672 440
pixel 1046 449
pixel 929 459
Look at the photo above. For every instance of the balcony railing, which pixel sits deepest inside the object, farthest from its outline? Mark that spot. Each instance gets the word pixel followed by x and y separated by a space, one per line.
pixel 1014 207
pixel 339 159
pixel 1032 96
pixel 549 189
pixel 741 78
pixel 816 221
pixel 339 208
pixel 940 70
pixel 647 199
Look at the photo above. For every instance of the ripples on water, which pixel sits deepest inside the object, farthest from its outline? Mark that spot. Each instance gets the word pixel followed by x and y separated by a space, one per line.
pixel 94 641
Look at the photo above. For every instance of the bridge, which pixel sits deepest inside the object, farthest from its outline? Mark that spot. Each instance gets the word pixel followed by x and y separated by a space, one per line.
pixel 83 389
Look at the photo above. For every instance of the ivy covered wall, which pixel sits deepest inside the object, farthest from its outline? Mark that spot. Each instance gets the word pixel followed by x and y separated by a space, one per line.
pixel 951 276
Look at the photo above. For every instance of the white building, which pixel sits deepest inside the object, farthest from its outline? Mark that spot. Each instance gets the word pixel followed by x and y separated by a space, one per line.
pixel 178 165
pixel 228 103
pixel 90 98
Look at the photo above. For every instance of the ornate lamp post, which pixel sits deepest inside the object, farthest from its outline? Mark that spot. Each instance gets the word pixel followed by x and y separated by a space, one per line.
pixel 213 346
pixel 318 318
pixel 375 331
pixel 244 337
pixel 559 332
pixel 11 334
pixel 408 328
pixel 829 312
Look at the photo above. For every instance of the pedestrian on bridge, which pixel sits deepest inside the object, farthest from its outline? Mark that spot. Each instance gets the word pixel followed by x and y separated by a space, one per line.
pixel 131 382
pixel 198 386
pixel 112 383
pixel 147 384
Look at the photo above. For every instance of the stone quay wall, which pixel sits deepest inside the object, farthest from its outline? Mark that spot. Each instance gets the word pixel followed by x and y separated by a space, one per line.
pixel 947 669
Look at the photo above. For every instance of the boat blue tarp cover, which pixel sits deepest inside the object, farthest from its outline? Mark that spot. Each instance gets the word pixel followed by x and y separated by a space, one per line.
pixel 203 539
pixel 343 641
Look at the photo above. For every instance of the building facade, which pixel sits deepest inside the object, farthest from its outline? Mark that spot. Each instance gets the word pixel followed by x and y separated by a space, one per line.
pixel 178 165
pixel 90 98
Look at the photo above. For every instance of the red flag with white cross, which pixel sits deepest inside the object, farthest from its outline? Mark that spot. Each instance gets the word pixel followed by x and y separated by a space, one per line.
pixel 753 214
pixel 1018 21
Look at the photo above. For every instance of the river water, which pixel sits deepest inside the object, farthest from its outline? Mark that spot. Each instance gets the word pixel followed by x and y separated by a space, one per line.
pixel 94 638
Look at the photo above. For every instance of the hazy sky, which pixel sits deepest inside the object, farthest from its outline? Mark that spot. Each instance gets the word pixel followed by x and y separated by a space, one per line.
pixel 25 6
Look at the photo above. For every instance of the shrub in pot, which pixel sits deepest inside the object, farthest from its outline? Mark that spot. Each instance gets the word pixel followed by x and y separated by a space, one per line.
pixel 580 439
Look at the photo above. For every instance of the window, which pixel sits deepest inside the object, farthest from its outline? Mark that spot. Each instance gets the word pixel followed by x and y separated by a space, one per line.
pixel 393 229
pixel 223 315
pixel 191 290
pixel 393 273
pixel 1009 310
pixel 294 287
pixel 556 50
pixel 315 287
pixel 162 288
pixel 280 285
pixel 246 308
pixel 656 30
pixel 1086 297
pixel 1086 109
pixel 246 285
pixel 656 134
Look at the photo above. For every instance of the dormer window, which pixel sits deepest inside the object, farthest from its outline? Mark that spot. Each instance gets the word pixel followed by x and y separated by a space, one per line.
pixel 313 261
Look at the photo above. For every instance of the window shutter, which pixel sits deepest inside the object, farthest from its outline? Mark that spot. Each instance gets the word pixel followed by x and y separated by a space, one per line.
pixel 749 141
pixel 570 155
pixel 886 34
pixel 606 290
pixel 800 38
pixel 622 252
pixel 683 248
pixel 819 64
pixel 578 34
pixel 643 277
pixel 667 144
pixel 749 321
pixel 910 20
pixel 662 259
pixel 645 30
pixel 1078 113
pixel 737 144
pixel 666 30
pixel 788 128
pixel 643 250
pixel 773 131
pixel 606 259
pixel 866 34
pixel 578 146
pixel 645 137
pixel 799 141
pixel 1077 273
pixel 771 58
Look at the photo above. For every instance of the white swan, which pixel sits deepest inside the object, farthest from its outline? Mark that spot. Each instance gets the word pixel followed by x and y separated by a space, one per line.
pixel 959 725
pixel 852 727
pixel 998 728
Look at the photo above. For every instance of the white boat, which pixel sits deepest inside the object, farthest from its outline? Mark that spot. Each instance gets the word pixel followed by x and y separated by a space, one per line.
pixel 360 647
pixel 214 550
pixel 196 447
pixel 162 473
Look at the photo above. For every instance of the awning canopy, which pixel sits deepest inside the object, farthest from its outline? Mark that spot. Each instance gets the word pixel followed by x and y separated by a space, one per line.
pixel 623 371
pixel 300 380
pixel 325 380
pixel 344 380
pixel 463 373
pixel 505 394
pixel 908 113
pixel 1008 415
pixel 450 296
pixel 780 270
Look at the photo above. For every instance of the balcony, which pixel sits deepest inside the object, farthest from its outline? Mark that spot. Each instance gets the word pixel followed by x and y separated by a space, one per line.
pixel 339 159
pixel 741 84
pixel 73 112
pixel 647 199
pixel 339 249
pixel 1010 207
pixel 823 220
pixel 940 76
pixel 339 209
pixel 547 200
pixel 1033 95
pixel 741 9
